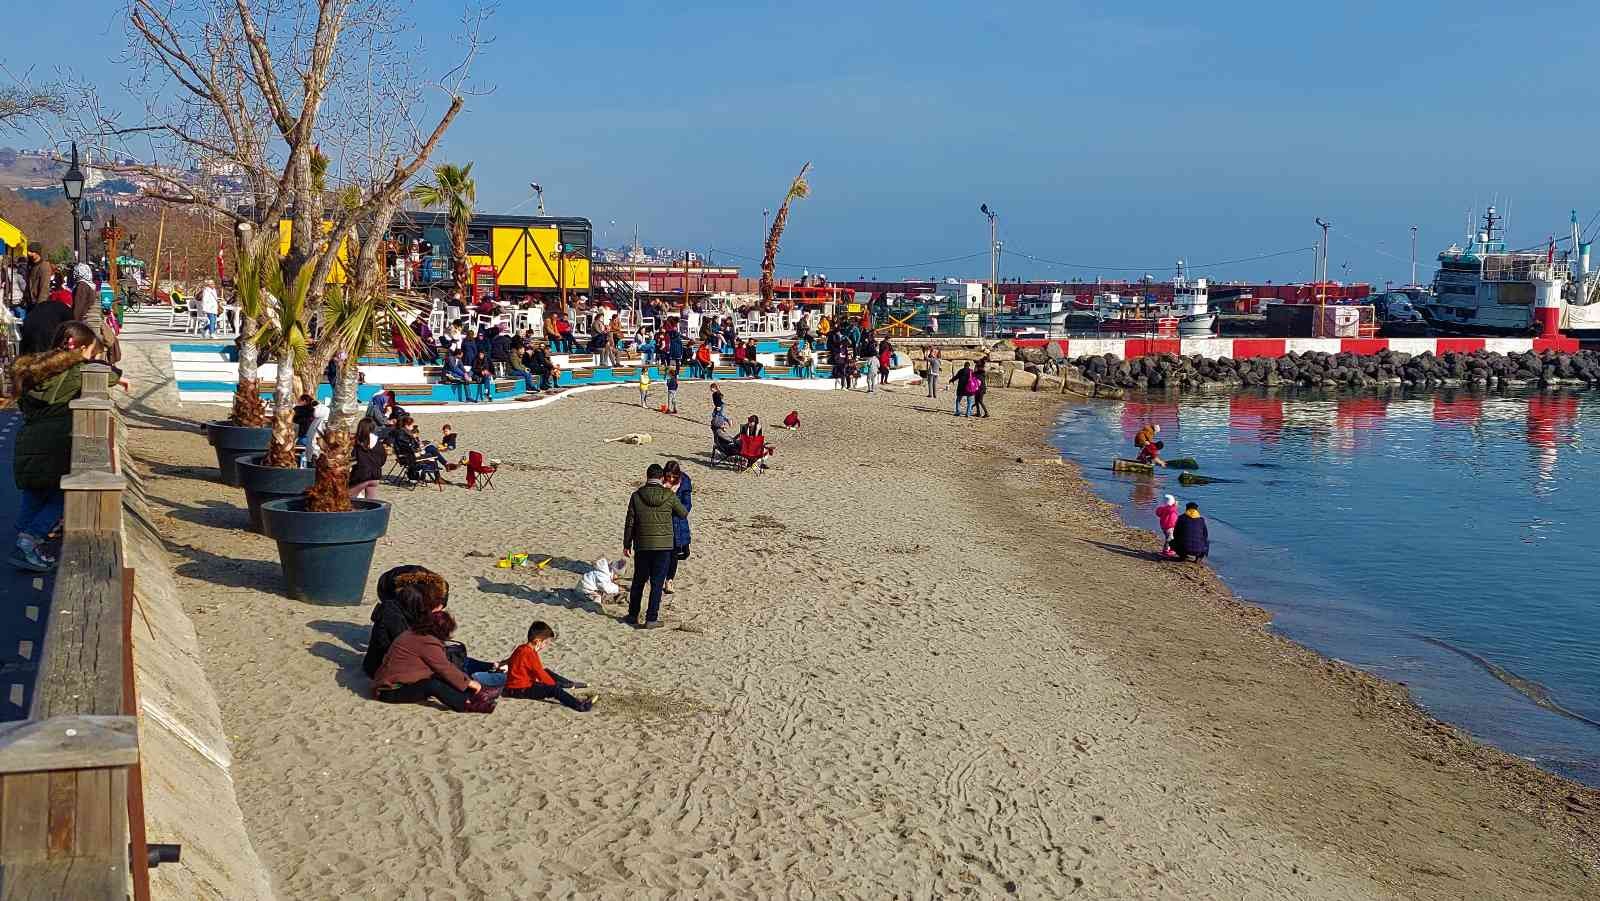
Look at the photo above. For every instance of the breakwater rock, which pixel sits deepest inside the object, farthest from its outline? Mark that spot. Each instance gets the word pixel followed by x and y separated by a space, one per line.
pixel 1344 370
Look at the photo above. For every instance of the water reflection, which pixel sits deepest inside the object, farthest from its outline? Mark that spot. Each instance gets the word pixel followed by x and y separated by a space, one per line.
pixel 1368 522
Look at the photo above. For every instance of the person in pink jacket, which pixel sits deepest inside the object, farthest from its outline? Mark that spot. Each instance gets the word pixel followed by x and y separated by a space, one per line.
pixel 1167 516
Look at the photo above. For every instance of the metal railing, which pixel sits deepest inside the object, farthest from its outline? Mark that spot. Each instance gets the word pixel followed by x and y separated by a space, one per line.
pixel 71 794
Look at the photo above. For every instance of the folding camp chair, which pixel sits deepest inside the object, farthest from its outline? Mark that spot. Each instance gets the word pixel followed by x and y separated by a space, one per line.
pixel 752 450
pixel 412 471
pixel 480 473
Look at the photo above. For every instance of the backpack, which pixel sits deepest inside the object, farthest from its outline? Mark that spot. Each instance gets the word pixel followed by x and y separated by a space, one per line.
pixel 973 384
pixel 483 701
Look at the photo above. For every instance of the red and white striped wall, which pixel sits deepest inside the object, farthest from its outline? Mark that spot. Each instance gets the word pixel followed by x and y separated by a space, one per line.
pixel 1243 348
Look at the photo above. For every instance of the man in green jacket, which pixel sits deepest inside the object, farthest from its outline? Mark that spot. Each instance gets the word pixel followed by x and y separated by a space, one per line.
pixel 648 530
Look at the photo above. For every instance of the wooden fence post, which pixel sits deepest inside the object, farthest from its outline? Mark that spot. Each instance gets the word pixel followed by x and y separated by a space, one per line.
pixel 64 771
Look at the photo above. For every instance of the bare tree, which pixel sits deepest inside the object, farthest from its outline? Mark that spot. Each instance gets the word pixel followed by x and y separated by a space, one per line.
pixel 233 95
pixel 24 101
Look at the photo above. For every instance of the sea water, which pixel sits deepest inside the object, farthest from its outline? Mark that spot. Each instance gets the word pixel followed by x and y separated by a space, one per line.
pixel 1448 541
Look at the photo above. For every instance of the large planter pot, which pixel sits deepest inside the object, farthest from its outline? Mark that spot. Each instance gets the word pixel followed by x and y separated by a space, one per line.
pixel 325 556
pixel 269 483
pixel 230 441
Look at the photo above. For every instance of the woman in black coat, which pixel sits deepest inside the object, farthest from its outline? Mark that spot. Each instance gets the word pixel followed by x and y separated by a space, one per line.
pixel 391 617
pixel 367 460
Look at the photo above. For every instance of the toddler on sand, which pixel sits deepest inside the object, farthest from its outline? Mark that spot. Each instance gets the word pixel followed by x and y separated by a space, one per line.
pixel 600 583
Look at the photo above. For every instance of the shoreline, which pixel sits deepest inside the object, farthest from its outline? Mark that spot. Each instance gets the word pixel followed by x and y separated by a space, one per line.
pixel 988 695
pixel 1568 807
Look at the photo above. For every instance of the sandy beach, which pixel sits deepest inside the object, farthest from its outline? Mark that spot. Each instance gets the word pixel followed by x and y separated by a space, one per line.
pixel 904 665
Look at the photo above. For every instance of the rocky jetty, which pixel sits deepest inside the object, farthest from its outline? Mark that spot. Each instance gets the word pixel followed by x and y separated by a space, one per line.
pixel 1324 370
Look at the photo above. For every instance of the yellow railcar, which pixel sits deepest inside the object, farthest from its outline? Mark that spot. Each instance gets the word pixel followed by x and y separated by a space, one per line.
pixel 529 254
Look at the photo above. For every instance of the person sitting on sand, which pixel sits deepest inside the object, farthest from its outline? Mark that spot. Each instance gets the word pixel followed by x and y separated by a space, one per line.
pixel 1190 539
pixel 417 668
pixel 1167 517
pixel 1151 453
pixel 392 616
pixel 792 421
pixel 1146 435
pixel 448 438
pixel 526 676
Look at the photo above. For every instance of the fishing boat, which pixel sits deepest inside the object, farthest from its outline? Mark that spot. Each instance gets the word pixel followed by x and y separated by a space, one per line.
pixel 1136 316
pixel 1047 312
pixel 1485 288
pixel 1191 303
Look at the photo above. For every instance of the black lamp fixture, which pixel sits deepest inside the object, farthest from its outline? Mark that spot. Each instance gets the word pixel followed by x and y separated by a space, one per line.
pixel 72 185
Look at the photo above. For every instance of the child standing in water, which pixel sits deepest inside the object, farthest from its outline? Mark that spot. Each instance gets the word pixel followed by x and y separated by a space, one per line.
pixel 1167 516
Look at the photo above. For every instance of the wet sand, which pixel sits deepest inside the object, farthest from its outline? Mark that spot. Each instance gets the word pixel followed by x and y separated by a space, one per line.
pixel 905 665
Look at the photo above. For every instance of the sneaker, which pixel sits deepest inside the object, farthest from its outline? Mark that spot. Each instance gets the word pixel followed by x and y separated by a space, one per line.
pixel 655 624
pixel 587 704
pixel 29 559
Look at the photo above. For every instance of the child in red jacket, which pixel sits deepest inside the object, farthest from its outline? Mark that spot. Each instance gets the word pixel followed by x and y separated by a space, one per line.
pixel 526 676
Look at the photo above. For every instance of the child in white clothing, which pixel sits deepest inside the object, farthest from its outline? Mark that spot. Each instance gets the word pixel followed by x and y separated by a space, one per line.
pixel 600 583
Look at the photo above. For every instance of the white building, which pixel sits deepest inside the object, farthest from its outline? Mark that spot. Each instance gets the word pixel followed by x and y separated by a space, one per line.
pixel 968 295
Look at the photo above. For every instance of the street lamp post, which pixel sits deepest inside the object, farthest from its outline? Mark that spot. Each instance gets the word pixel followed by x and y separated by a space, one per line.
pixel 1413 257
pixel 537 189
pixel 994 255
pixel 72 185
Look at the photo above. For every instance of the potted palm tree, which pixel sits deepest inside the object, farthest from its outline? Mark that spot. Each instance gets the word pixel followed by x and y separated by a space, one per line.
pixel 325 538
pixel 245 430
pixel 273 472
pixel 453 191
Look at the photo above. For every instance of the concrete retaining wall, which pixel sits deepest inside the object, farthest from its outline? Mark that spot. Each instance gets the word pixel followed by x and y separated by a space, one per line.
pixel 188 789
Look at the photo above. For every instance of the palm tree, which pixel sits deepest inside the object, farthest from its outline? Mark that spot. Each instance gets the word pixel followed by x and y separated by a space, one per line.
pixel 353 320
pixel 797 188
pixel 453 191
pixel 286 332
pixel 248 410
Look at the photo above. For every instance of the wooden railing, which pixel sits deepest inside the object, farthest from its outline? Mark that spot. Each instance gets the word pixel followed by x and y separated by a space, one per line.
pixel 69 774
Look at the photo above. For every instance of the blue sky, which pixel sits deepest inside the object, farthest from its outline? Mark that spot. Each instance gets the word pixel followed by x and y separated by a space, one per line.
pixel 1121 140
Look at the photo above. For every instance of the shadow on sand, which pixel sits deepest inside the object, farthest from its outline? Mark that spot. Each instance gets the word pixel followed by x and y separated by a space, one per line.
pixel 566 598
pixel 346 655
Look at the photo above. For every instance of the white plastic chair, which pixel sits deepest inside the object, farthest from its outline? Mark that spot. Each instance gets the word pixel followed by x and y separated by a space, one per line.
pixel 178 309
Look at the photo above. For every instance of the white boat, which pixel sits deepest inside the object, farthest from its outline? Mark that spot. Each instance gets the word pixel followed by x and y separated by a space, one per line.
pixel 1191 303
pixel 1486 289
pixel 1048 312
